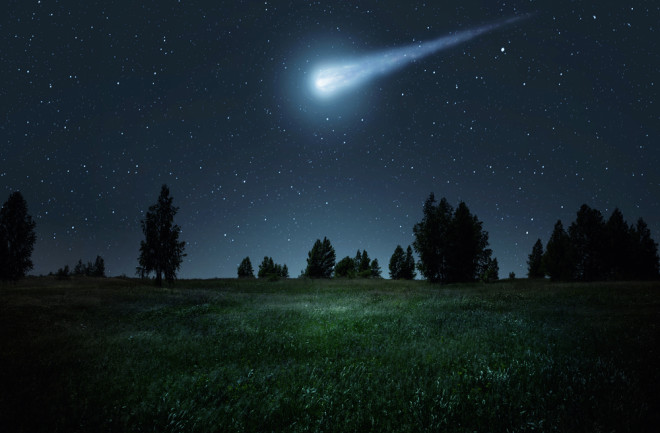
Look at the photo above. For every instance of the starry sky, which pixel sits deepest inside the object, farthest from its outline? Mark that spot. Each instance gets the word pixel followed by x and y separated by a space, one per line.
pixel 103 102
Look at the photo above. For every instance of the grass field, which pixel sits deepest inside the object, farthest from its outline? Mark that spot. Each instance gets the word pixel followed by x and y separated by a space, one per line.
pixel 334 356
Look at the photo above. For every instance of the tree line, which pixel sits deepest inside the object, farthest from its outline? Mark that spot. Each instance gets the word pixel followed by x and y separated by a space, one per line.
pixel 451 246
pixel 595 249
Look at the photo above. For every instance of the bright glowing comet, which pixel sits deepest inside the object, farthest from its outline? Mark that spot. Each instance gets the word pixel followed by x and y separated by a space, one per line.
pixel 334 79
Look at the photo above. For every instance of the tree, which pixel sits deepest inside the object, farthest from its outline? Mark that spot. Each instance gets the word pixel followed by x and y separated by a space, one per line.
pixel 432 242
pixel 408 270
pixel 558 259
pixel 375 269
pixel 161 251
pixel 98 269
pixel 397 262
pixel 345 268
pixel 320 260
pixel 535 261
pixel 645 253
pixel 402 265
pixel 619 248
pixel 17 238
pixel 245 269
pixel 452 245
pixel 587 234
pixel 80 269
pixel 491 271
pixel 271 270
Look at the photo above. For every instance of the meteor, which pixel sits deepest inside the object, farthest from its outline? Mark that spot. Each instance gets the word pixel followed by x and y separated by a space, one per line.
pixel 330 80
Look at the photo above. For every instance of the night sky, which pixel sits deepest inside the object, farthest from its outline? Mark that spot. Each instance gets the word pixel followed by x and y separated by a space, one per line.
pixel 103 102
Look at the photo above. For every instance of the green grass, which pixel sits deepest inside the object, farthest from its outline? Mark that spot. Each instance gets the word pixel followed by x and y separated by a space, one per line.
pixel 333 356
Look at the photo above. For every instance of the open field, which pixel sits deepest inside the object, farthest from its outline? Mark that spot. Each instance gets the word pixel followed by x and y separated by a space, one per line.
pixel 299 355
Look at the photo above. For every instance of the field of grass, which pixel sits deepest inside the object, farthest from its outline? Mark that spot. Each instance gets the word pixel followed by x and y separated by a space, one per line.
pixel 333 356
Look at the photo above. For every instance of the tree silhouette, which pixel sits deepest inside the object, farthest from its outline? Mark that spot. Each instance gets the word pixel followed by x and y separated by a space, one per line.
pixel 374 268
pixel 402 265
pixel 397 262
pixel 587 234
pixel 161 251
pixel 320 260
pixel 345 268
pixel 619 248
pixel 645 253
pixel 432 242
pixel 17 238
pixel 99 267
pixel 245 269
pixel 452 245
pixel 408 270
pixel 535 261
pixel 558 259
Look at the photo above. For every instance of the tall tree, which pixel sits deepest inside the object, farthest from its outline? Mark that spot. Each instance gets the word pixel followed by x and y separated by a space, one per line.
pixel 432 239
pixel 245 269
pixel 98 269
pixel 535 261
pixel 397 262
pixel 587 235
pixel 558 259
pixel 375 269
pixel 17 238
pixel 618 253
pixel 452 245
pixel 408 271
pixel 645 253
pixel 161 251
pixel 320 260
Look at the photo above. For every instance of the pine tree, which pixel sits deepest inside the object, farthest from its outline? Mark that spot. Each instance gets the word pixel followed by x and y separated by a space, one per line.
pixel 285 271
pixel 245 269
pixel 397 262
pixel 587 235
pixel 645 253
pixel 161 251
pixel 320 260
pixel 408 269
pixel 535 261
pixel 558 259
pixel 98 269
pixel 432 242
pixel 375 269
pixel 17 238
pixel 618 254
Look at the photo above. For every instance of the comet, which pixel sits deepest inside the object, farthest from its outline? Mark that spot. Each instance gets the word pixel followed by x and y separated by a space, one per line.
pixel 331 80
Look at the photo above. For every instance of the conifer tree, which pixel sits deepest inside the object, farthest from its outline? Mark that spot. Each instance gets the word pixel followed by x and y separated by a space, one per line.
pixel 535 261
pixel 320 260
pixel 161 251
pixel 17 238
pixel 245 269
pixel 397 261
pixel 558 259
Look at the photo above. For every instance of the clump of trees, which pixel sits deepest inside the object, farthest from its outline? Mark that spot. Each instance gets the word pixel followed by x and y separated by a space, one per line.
pixel 595 249
pixel 320 260
pixel 161 251
pixel 96 269
pixel 17 238
pixel 272 271
pixel 360 266
pixel 245 269
pixel 402 264
pixel 452 245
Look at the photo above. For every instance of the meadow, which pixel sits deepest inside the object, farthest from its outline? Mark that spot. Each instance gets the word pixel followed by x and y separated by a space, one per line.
pixel 117 355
